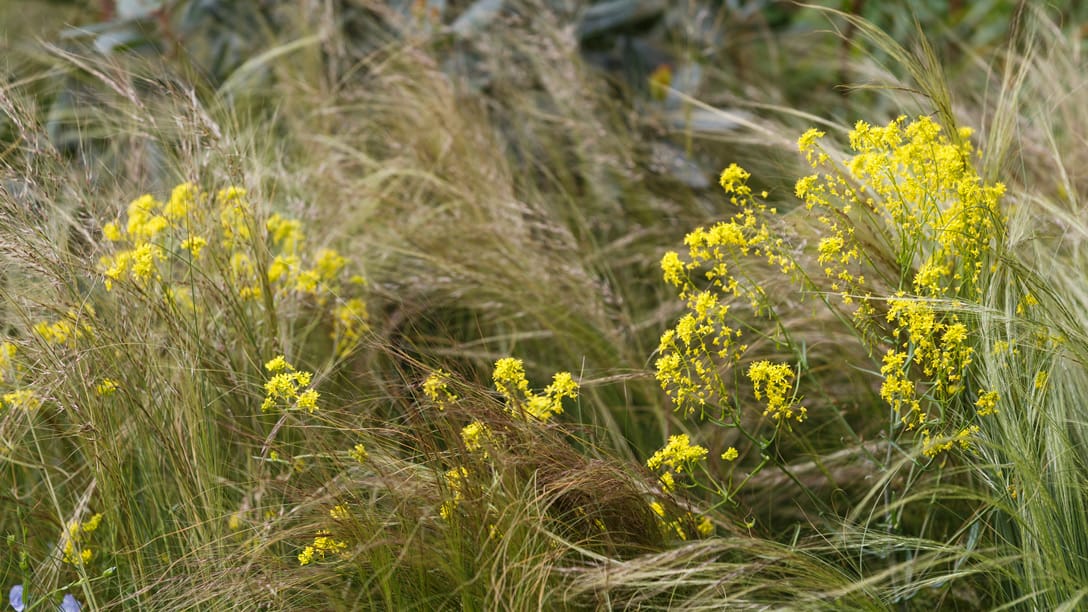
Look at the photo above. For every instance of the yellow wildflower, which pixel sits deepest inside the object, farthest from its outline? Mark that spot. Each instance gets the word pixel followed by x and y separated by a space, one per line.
pixel 194 244
pixel 668 482
pixel 510 381
pixel 288 387
pixel 307 400
pixel 285 233
pixel 24 399
pixel 457 483
pixel 351 323
pixel 181 203
pixel 106 387
pixel 705 527
pixel 436 388
pixel 987 403
pixel 509 377
pixel 278 364
pixel 112 232
pixel 329 263
pixel 734 180
pixel 476 436
pixel 323 545
pixel 774 381
pixel 358 453
pixel 678 455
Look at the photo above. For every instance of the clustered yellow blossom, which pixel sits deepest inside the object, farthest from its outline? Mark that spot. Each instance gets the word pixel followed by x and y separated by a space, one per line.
pixel 75 551
pixel 679 526
pixel 921 185
pixel 705 527
pixel 916 187
pixel 477 436
pixel 679 455
pixel 938 347
pixel 437 389
pixel 352 321
pixel 162 245
pixel 668 482
pixel 932 446
pixel 692 353
pixel 457 483
pixel 22 399
pixel 1041 380
pixel 359 454
pixel 324 544
pixel 66 331
pixel 987 403
pixel 510 381
pixel 7 359
pixel 1025 303
pixel 730 454
pixel 234 521
pixel 288 387
pixel 106 387
pixel 152 228
pixel 774 382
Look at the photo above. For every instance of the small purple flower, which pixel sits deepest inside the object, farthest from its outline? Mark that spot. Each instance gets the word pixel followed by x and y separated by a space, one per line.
pixel 70 604
pixel 15 598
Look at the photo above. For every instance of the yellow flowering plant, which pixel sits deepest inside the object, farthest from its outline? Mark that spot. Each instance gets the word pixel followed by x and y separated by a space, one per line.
pixel 906 234
pixel 194 248
pixel 699 359
pixel 477 437
pixel 911 188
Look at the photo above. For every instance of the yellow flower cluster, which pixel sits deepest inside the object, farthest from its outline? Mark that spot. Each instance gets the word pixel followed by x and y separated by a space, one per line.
pixel 914 185
pixel 987 402
pixel 477 436
pixel 457 483
pixel 288 387
pixel 151 227
pixel 66 331
pixel 678 455
pixel 690 353
pixel 938 347
pixel 106 387
pixel 1041 379
pixel 359 454
pixel 7 356
pixel 164 241
pixel 352 321
pixel 437 389
pixel 775 382
pixel 510 381
pixel 932 206
pixel 75 552
pixel 704 528
pixel 931 446
pixel 324 544
pixel 22 399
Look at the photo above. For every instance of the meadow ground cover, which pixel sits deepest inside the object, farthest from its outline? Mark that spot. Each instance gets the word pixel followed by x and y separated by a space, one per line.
pixel 340 323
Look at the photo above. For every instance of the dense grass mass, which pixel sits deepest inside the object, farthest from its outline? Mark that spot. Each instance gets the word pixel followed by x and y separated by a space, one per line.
pixel 422 306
